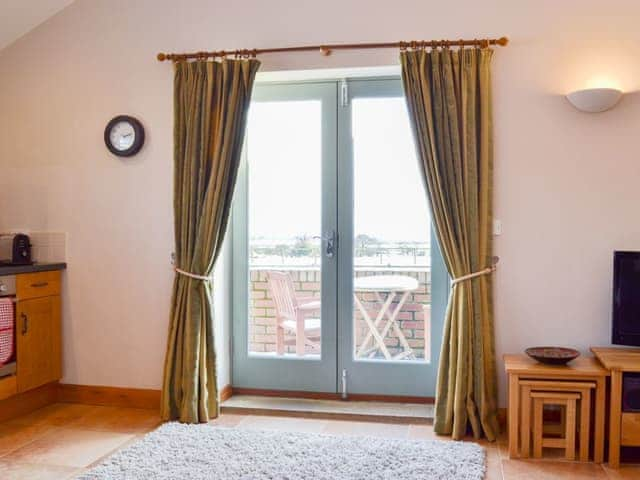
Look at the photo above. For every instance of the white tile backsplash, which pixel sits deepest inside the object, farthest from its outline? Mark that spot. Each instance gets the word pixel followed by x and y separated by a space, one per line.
pixel 48 246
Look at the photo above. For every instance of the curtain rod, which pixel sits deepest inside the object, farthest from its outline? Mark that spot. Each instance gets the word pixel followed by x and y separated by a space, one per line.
pixel 327 49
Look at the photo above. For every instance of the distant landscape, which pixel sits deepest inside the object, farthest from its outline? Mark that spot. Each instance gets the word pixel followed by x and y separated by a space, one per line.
pixel 304 251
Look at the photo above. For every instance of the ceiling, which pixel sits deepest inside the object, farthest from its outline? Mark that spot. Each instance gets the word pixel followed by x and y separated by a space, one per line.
pixel 18 17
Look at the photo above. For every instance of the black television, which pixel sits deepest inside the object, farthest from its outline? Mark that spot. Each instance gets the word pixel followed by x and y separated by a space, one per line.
pixel 626 299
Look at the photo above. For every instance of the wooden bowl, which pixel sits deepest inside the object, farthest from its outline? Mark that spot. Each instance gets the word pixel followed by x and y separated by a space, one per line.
pixel 552 355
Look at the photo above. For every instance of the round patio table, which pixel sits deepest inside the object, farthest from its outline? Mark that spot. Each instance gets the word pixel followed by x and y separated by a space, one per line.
pixel 393 286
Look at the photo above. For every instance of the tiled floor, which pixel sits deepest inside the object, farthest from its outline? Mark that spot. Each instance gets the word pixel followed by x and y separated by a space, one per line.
pixel 62 440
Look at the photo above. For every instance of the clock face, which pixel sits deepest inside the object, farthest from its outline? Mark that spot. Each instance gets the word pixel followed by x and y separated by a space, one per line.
pixel 124 136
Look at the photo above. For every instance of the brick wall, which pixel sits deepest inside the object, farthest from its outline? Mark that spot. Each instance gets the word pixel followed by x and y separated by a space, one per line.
pixel 411 318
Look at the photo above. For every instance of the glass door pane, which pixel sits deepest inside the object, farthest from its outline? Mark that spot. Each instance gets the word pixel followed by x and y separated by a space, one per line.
pixel 391 231
pixel 390 328
pixel 284 157
pixel 284 304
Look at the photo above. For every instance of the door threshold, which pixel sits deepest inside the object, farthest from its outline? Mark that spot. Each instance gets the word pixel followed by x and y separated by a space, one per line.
pixel 365 411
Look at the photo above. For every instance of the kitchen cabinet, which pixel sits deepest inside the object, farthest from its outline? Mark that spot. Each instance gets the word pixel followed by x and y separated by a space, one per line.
pixel 38 329
pixel 38 342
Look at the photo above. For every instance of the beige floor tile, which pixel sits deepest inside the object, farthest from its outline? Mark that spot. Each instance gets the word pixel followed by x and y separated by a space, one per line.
pixel 550 470
pixel 57 414
pixel 228 420
pixel 287 424
pixel 26 471
pixel 424 431
pixel 115 419
pixel 494 472
pixel 370 429
pixel 14 436
pixel 494 463
pixel 69 447
pixel 503 449
pixel 625 472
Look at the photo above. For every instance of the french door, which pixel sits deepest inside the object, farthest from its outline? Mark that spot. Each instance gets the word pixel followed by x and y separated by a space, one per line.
pixel 339 285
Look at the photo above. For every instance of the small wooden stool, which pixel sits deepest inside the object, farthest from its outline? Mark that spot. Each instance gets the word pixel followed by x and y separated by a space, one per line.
pixel 568 443
pixel 582 388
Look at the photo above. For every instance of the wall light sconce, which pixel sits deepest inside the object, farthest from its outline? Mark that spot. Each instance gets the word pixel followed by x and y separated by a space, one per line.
pixel 594 100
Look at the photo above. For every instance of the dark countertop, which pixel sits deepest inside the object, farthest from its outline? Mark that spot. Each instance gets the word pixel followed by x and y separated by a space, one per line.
pixel 36 267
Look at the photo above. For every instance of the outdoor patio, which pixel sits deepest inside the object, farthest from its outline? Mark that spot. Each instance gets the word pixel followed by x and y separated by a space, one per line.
pixel 413 318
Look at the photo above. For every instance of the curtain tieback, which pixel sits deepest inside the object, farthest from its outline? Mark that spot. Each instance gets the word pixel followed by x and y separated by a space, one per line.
pixel 479 273
pixel 204 278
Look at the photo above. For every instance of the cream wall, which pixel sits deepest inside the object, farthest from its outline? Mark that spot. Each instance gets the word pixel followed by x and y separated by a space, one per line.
pixel 566 183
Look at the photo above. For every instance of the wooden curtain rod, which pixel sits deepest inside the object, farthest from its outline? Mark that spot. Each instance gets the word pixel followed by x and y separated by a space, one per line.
pixel 327 49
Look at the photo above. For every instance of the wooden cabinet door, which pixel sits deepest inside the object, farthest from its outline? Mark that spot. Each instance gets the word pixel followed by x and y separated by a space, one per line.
pixel 38 342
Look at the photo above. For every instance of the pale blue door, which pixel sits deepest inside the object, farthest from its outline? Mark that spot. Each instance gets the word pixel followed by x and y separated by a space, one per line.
pixel 284 209
pixel 330 213
pixel 393 285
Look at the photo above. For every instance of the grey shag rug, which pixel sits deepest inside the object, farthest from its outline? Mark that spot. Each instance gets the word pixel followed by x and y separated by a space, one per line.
pixel 206 452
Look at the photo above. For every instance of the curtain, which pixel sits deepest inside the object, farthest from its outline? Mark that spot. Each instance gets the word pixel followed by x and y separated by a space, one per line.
pixel 448 94
pixel 211 100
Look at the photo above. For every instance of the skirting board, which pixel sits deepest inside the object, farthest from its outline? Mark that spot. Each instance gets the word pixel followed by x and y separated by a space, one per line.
pixel 27 402
pixel 225 393
pixel 118 397
pixel 109 396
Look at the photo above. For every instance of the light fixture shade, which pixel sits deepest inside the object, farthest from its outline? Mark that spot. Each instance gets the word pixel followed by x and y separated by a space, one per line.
pixel 594 100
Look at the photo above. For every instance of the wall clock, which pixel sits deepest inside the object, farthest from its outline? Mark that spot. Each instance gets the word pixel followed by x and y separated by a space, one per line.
pixel 124 136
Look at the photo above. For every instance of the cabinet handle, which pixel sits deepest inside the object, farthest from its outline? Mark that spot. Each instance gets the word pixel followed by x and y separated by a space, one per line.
pixel 25 323
pixel 39 284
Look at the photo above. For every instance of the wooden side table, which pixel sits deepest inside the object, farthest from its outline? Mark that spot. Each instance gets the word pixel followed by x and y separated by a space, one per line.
pixel 624 427
pixel 583 388
pixel 568 442
pixel 520 366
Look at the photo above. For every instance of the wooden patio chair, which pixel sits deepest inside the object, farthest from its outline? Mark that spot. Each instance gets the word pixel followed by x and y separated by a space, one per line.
pixel 292 314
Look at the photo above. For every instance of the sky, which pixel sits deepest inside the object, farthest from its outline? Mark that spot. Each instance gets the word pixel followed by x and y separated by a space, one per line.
pixel 285 154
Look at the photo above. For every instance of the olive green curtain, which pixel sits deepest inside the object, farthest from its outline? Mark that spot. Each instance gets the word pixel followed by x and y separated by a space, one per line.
pixel 211 101
pixel 448 95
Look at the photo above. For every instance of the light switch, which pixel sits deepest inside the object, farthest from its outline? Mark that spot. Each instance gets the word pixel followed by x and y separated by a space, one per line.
pixel 497 227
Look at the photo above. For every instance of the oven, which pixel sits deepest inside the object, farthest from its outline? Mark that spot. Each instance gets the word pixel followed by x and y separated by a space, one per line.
pixel 7 325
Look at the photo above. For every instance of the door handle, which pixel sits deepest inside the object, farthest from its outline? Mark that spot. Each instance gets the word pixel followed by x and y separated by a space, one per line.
pixel 39 284
pixel 25 323
pixel 331 243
